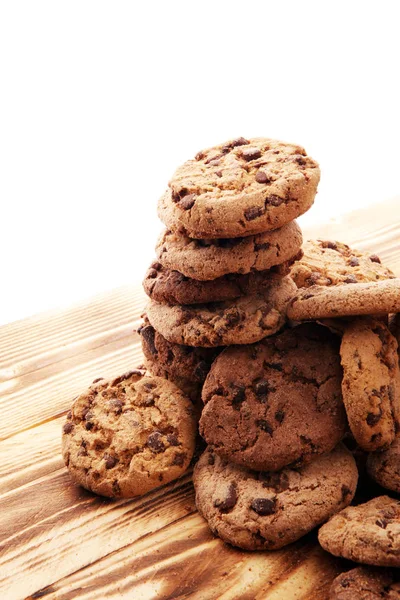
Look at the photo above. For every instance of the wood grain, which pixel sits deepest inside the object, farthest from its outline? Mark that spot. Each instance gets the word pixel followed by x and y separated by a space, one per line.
pixel 59 541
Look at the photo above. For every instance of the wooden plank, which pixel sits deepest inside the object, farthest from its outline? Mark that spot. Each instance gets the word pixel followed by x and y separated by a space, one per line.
pixel 59 541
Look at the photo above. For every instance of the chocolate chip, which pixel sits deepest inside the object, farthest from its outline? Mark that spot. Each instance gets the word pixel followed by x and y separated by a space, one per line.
pixel 125 376
pixel 373 419
pixel 234 143
pixel 346 491
pixel 111 461
pixel 179 459
pixel 264 506
pixel 218 173
pixel 265 426
pixel 300 160
pixel 214 160
pixel 116 489
pixel 274 200
pixel 88 414
pixel 331 245
pixel 261 388
pixel 211 459
pixel 238 396
pixel 262 177
pixel 354 262
pixel 381 523
pixel 156 265
pixel 89 425
pixel 253 213
pixel 68 427
pixel 228 501
pixel 279 416
pixel 264 246
pixel 116 405
pixel 152 274
pixel 149 385
pixel 251 153
pixel 351 279
pixel 98 379
pixel 172 439
pixel 82 452
pixel 277 481
pixel 375 258
pixel 201 370
pixel 69 415
pixel 155 443
pixel 148 334
pixel 187 202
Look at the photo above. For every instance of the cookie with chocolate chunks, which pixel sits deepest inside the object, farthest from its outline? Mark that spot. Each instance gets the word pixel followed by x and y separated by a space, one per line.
pixel 333 263
pixel 239 188
pixel 171 287
pixel 125 437
pixel 266 511
pixel 277 402
pixel 370 382
pixel 368 533
pixel 242 321
pixel 209 259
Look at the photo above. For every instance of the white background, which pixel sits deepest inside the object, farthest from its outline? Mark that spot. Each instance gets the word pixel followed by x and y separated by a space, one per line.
pixel 100 101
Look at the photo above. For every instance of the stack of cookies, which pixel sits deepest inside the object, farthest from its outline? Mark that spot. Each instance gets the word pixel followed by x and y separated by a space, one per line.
pixel 283 356
pixel 221 274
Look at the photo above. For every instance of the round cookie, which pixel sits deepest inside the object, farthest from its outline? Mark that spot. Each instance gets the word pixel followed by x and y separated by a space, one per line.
pixel 370 372
pixel 368 533
pixel 266 511
pixel 209 259
pixel 171 287
pixel 333 263
pixel 242 321
pixel 125 437
pixel 240 188
pixel 365 584
pixel 321 302
pixel 384 467
pixel 277 402
pixel 185 362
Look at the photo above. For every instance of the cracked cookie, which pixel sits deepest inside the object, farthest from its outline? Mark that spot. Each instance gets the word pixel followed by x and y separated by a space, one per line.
pixel 320 301
pixel 171 287
pixel 185 362
pixel 277 402
pixel 333 263
pixel 242 321
pixel 209 259
pixel 240 188
pixel 370 372
pixel 366 584
pixel 384 467
pixel 266 511
pixel 368 533
pixel 125 437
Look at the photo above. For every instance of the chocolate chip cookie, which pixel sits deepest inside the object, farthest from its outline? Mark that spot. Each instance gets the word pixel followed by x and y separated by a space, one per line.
pixel 365 583
pixel 171 287
pixel 368 533
pixel 277 402
pixel 209 259
pixel 124 437
pixel 242 321
pixel 333 263
pixel 266 511
pixel 185 362
pixel 320 301
pixel 240 188
pixel 370 372
pixel 384 467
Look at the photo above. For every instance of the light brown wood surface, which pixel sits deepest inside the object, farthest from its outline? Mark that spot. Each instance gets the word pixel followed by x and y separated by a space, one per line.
pixel 59 541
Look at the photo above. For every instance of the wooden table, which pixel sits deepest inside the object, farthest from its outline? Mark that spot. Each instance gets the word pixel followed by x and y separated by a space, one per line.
pixel 59 541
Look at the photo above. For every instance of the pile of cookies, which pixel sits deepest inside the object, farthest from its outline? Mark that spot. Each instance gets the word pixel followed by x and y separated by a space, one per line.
pixel 281 354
